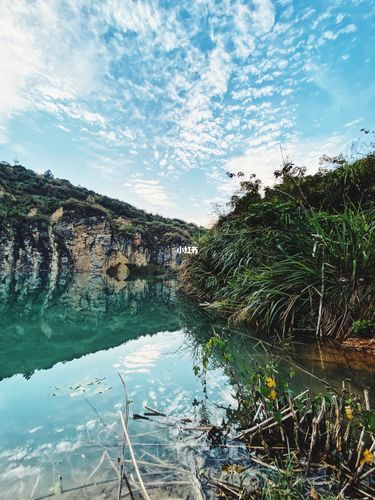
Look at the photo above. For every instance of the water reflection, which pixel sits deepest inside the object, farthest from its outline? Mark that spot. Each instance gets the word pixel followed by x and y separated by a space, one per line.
pixel 59 339
pixel 44 323
pixel 41 326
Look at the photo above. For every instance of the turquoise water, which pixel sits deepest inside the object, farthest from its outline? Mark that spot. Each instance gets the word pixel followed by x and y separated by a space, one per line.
pixel 61 351
pixel 60 393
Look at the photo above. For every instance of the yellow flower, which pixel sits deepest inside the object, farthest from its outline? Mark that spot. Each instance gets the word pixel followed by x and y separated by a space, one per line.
pixel 273 394
pixel 368 457
pixel 349 412
pixel 232 468
pixel 270 382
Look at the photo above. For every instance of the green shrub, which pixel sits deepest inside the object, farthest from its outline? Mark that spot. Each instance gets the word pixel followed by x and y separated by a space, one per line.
pixel 22 190
pixel 364 327
pixel 285 267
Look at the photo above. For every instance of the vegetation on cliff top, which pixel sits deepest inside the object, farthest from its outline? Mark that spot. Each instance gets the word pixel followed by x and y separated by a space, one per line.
pixel 300 258
pixel 27 198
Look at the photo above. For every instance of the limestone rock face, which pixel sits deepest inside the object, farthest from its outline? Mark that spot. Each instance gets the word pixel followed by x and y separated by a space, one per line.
pixel 70 244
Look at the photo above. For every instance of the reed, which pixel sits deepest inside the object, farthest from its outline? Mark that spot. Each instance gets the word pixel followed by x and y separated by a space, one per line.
pixel 306 444
pixel 304 271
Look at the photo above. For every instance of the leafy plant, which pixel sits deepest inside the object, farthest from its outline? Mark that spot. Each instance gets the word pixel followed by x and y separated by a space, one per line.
pixel 363 327
pixel 284 266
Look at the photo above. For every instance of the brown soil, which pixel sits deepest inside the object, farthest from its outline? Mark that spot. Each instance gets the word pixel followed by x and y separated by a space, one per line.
pixel 367 345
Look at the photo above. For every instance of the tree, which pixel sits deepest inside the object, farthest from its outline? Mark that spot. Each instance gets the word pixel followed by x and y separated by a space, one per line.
pixel 246 195
pixel 48 174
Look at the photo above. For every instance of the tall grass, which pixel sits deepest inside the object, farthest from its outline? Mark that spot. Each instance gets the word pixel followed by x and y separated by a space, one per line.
pixel 283 268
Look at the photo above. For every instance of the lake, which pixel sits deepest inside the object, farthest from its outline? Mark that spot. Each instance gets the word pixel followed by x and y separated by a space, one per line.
pixel 61 352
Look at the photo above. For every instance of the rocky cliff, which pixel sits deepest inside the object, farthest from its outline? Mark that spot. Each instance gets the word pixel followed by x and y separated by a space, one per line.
pixel 49 225
pixel 80 244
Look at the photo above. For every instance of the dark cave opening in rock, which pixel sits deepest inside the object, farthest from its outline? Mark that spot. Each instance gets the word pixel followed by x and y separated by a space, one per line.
pixel 118 271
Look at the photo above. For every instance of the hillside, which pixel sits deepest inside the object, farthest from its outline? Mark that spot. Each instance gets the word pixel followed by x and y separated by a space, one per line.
pixel 49 226
pixel 300 258
pixel 27 197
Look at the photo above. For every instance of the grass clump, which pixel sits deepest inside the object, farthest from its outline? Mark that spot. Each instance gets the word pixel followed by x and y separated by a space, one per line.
pixel 294 260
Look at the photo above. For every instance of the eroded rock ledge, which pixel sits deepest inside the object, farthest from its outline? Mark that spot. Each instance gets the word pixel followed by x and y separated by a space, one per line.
pixel 74 244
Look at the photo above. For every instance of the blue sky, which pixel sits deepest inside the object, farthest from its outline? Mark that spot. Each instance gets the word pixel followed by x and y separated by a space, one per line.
pixel 152 102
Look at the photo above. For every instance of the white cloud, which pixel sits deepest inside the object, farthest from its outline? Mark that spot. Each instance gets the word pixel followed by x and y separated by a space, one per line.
pixel 151 192
pixel 340 18
pixel 251 21
pixel 139 17
pixel 264 15
pixel 35 429
pixel 215 79
pixel 50 58
pixel 350 28
pixel 109 136
pixel 20 471
pixel 61 127
pixel 66 446
pixel 143 355
pixel 352 123
pixel 144 88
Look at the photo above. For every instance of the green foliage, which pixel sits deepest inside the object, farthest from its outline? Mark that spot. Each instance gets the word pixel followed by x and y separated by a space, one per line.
pixel 123 228
pixel 48 174
pixel 83 208
pixel 285 266
pixel 364 327
pixel 174 237
pixel 294 436
pixel 284 483
pixel 336 184
pixel 23 191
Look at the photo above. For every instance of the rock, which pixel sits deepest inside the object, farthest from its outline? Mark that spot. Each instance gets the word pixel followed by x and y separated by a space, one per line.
pixel 79 244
